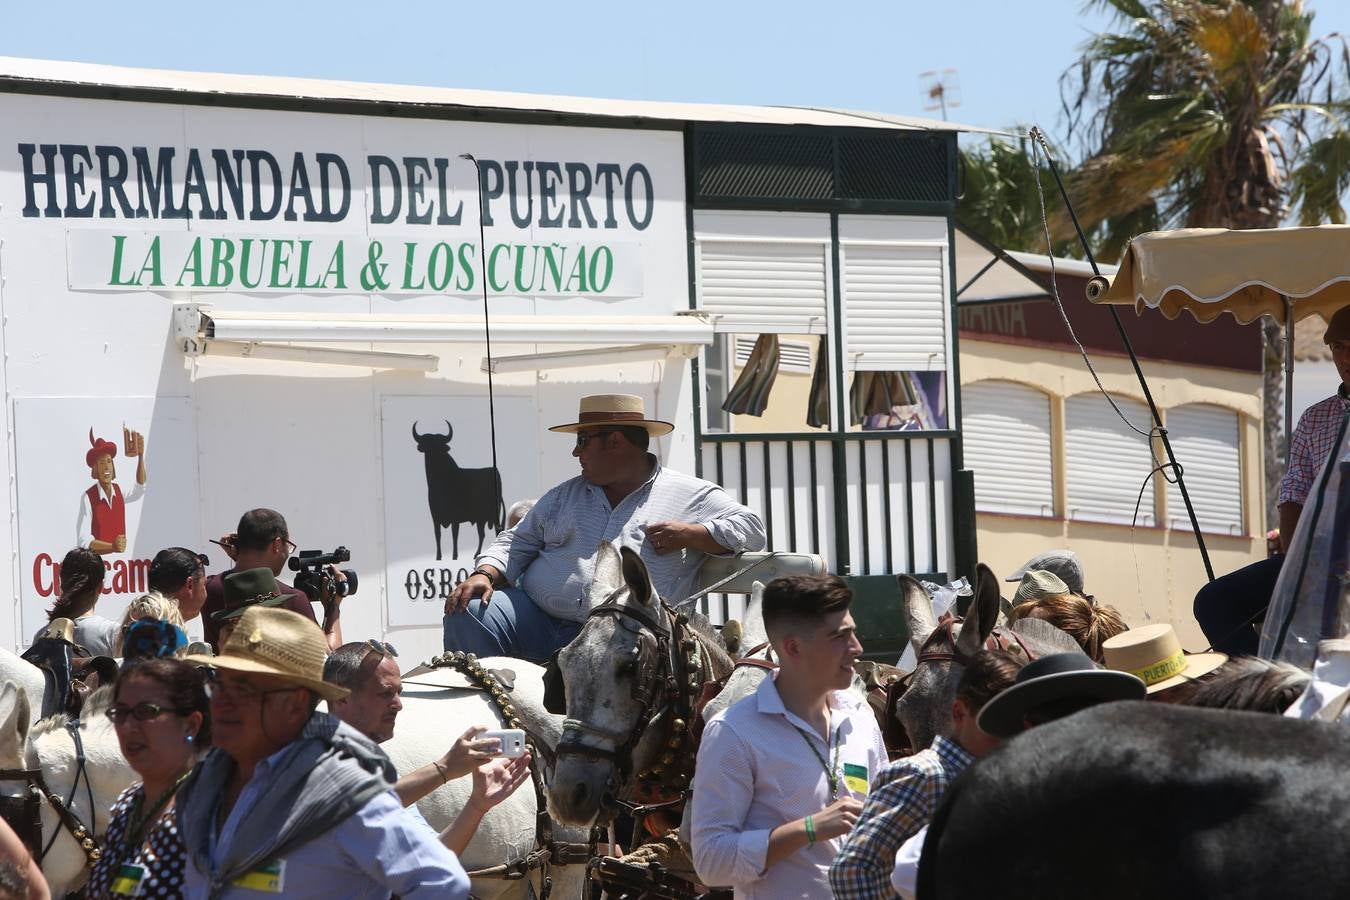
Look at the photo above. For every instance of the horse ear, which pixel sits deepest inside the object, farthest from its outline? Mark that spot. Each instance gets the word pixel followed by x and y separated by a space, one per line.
pixel 982 615
pixel 639 580
pixel 13 725
pixel 919 611
pixel 608 574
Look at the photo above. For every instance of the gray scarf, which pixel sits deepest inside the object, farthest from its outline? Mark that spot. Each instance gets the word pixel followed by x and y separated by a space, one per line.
pixel 331 771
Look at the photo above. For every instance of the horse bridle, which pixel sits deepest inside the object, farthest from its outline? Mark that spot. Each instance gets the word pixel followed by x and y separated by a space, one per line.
pixel 669 674
pixel 28 823
pixel 934 650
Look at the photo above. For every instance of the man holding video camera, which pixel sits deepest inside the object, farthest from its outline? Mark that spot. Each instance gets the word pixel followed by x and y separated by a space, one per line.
pixel 262 541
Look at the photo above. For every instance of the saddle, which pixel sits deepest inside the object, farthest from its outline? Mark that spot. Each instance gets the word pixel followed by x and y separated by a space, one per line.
pixel 71 675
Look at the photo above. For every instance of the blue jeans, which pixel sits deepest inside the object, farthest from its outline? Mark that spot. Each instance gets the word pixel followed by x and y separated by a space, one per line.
pixel 511 625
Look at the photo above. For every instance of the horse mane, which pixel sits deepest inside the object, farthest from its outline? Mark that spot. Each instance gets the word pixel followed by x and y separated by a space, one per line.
pixel 1044 638
pixel 96 704
pixel 1250 683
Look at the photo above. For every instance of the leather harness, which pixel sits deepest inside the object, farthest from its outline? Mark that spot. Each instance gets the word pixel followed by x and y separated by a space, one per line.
pixel 24 813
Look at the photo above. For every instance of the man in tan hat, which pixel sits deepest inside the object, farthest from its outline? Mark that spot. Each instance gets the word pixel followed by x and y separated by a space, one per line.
pixel 1227 606
pixel 290 801
pixel 532 581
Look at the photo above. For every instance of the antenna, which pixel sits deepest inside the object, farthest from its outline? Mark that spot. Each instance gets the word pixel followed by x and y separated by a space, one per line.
pixel 940 90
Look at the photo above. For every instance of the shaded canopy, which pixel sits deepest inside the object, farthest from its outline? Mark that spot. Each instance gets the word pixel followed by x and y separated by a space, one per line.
pixel 1210 271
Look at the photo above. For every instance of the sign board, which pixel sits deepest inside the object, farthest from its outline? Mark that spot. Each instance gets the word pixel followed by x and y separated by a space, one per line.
pixel 78 460
pixel 441 503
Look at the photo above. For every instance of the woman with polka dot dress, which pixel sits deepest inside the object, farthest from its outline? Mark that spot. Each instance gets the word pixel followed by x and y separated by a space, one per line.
pixel 161 713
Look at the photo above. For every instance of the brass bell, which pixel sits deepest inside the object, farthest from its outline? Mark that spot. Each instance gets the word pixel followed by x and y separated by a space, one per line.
pixel 667 758
pixel 95 855
pixel 677 725
pixel 689 645
pixel 87 843
pixel 80 832
pixel 682 619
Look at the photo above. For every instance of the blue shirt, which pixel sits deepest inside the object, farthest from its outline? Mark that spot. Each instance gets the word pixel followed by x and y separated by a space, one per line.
pixel 379 850
pixel 550 553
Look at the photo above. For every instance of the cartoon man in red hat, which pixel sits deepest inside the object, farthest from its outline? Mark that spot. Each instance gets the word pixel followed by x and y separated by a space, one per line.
pixel 102 525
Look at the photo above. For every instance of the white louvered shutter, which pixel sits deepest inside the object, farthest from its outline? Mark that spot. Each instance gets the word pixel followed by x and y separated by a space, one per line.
pixel 1106 461
pixel 761 273
pixel 895 309
pixel 1006 429
pixel 1205 442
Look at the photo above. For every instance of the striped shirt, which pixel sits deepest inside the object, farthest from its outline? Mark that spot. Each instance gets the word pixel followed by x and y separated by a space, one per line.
pixel 902 801
pixel 550 553
pixel 755 772
pixel 1314 439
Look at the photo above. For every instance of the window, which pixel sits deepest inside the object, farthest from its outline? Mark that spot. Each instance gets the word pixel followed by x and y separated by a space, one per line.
pixel 1204 440
pixel 1106 462
pixel 1006 428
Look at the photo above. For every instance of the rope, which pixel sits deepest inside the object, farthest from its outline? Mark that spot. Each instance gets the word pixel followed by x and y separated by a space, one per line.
pixel 487 332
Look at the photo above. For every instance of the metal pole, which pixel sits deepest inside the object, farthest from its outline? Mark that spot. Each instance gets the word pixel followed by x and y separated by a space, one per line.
pixel 1134 361
pixel 1288 376
pixel 487 326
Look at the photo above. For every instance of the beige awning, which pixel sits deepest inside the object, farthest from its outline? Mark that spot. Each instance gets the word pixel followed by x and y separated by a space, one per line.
pixel 1209 271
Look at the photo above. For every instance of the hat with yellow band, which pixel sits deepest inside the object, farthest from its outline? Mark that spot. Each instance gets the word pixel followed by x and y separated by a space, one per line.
pixel 1154 654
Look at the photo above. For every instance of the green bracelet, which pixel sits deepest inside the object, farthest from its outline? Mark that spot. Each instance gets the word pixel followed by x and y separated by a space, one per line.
pixel 810 832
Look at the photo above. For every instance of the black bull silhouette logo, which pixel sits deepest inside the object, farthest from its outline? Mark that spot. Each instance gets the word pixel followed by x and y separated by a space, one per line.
pixel 456 495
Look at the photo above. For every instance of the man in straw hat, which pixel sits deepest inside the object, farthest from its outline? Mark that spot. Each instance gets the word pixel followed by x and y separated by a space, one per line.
pixel 1228 607
pixel 532 581
pixel 290 801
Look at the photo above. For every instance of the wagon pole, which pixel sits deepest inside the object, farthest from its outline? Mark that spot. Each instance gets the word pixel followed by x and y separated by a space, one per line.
pixel 1097 285
pixel 487 323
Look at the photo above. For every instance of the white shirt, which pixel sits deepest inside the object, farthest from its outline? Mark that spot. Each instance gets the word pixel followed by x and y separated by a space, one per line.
pixel 905 875
pixel 755 772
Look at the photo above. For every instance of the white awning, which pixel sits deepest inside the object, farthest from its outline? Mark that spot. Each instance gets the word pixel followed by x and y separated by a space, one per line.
pixel 202 330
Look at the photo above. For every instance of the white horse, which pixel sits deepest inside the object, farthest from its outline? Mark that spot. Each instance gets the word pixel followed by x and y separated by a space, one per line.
pixel 438 707
pixel 50 748
pixel 18 671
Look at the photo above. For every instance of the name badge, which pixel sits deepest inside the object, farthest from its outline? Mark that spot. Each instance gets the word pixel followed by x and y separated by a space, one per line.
pixel 127 881
pixel 270 879
pixel 855 778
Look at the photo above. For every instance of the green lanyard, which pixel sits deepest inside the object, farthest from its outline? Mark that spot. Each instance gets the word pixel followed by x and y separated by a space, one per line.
pixel 831 771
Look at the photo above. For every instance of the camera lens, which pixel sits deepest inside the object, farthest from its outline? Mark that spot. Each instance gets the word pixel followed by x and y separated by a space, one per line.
pixel 350 587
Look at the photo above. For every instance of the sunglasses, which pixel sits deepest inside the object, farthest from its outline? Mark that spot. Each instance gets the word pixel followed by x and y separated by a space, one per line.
pixel 384 648
pixel 584 439
pixel 141 712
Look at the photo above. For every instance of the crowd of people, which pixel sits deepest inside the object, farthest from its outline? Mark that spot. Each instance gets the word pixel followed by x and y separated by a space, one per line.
pixel 246 786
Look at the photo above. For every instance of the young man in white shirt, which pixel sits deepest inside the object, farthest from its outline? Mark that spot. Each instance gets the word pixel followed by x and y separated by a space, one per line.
pixel 782 774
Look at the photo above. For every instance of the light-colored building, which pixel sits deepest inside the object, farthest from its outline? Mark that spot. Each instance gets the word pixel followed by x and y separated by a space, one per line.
pixel 1062 461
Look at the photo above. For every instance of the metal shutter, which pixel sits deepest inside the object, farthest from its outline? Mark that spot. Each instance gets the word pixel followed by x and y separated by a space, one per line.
pixel 1106 461
pixel 1205 442
pixel 1006 428
pixel 763 274
pixel 895 309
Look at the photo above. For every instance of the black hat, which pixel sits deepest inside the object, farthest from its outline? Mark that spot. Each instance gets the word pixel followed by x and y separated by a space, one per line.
pixel 1060 676
pixel 251 587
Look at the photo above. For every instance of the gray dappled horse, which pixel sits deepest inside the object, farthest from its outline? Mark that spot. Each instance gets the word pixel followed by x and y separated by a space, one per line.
pixel 633 677
pixel 1137 799
pixel 925 708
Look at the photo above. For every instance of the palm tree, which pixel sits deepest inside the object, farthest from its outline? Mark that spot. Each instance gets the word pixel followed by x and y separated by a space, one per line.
pixel 1218 113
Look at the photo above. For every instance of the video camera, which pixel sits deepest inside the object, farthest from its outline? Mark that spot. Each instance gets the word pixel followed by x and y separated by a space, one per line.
pixel 316 579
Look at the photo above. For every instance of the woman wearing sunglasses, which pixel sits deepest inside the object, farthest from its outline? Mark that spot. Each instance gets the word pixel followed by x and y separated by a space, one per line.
pixel 161 714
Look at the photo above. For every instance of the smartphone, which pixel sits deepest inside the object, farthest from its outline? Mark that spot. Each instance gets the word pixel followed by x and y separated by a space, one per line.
pixel 511 741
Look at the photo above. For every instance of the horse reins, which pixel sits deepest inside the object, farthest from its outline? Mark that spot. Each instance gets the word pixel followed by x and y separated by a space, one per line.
pixel 29 827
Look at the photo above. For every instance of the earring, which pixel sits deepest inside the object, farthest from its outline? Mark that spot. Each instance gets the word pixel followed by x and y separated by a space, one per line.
pixel 190 738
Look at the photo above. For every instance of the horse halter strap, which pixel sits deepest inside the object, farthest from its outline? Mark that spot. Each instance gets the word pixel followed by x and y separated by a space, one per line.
pixel 944 633
pixel 669 675
pixel 29 826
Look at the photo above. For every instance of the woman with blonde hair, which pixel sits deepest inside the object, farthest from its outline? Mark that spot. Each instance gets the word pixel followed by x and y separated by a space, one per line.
pixel 153 605
pixel 1090 624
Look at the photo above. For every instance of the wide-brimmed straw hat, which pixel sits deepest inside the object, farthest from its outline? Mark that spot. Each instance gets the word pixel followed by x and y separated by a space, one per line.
pixel 598 410
pixel 276 642
pixel 1154 654
pixel 250 587
pixel 1059 676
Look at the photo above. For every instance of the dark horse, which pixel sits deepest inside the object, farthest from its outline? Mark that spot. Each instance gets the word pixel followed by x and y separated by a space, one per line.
pixel 1130 800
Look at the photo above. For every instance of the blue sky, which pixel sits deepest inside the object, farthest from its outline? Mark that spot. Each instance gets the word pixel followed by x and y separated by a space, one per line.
pixel 865 55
